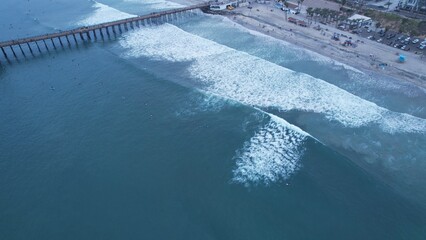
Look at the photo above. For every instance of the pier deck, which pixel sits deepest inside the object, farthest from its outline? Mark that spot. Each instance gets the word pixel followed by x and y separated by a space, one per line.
pixel 94 31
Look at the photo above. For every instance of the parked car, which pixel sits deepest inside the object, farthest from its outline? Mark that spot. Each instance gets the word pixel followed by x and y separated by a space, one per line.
pixel 390 36
pixel 403 47
pixel 421 47
pixel 380 40
pixel 416 41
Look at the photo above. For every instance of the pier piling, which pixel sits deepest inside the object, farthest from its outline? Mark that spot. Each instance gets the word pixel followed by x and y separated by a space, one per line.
pixel 22 51
pixel 13 51
pixel 60 41
pixel 53 43
pixel 75 39
pixel 101 32
pixel 138 21
pixel 38 47
pixel 4 53
pixel 29 47
pixel 45 45
pixel 68 40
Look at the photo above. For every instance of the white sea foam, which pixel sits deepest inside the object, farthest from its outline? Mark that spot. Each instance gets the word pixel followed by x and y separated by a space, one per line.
pixel 313 55
pixel 196 103
pixel 103 13
pixel 157 4
pixel 251 80
pixel 155 38
pixel 271 155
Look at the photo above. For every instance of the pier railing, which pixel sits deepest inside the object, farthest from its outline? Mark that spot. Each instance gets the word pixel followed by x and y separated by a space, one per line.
pixel 89 33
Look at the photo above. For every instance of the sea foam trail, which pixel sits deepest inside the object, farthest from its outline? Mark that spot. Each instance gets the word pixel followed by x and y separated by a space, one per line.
pixel 103 13
pixel 272 154
pixel 251 80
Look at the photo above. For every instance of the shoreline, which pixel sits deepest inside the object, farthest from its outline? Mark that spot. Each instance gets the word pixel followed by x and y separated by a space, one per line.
pixel 266 21
pixel 366 57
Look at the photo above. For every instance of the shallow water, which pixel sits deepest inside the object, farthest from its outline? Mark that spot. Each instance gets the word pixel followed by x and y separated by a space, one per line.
pixel 233 136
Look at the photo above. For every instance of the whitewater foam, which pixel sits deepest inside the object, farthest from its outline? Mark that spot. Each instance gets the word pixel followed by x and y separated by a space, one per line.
pixel 103 13
pixel 306 53
pixel 154 39
pixel 272 154
pixel 251 80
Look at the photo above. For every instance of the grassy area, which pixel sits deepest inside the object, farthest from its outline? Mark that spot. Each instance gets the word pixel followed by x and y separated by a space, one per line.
pixel 395 22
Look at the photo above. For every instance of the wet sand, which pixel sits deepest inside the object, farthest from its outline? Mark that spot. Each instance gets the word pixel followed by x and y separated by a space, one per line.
pixel 366 56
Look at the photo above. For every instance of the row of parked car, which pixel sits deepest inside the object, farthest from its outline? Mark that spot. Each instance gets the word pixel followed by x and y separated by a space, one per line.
pixel 399 41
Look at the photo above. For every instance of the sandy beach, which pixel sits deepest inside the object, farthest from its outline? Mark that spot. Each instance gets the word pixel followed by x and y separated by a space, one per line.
pixel 367 55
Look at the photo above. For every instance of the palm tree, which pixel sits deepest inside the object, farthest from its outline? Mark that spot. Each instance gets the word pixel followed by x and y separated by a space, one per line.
pixel 299 4
pixel 310 11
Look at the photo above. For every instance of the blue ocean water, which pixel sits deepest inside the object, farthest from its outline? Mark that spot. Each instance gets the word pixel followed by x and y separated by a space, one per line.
pixel 200 129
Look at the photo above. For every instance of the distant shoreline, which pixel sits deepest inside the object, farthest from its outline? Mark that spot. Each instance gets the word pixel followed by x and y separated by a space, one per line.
pixel 268 20
pixel 272 23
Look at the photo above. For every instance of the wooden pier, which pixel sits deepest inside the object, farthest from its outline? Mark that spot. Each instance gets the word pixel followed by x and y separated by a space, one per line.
pixel 20 47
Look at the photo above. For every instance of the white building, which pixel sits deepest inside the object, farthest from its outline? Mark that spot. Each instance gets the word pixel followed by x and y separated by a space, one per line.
pixel 359 20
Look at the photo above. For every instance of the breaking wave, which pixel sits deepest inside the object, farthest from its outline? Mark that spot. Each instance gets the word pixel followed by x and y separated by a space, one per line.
pixel 272 154
pixel 251 80
pixel 103 13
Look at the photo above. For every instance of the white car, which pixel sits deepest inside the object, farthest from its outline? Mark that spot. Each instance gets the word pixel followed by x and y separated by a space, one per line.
pixel 422 47
pixel 380 40
pixel 416 41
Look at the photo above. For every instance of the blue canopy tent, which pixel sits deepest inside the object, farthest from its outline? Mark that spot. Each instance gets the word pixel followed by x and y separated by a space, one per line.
pixel 401 58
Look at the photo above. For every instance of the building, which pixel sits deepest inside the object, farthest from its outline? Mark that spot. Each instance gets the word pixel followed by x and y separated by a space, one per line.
pixel 416 5
pixel 357 20
pixel 217 6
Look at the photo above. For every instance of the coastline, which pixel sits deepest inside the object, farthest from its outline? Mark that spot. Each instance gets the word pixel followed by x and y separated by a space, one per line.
pixel 366 57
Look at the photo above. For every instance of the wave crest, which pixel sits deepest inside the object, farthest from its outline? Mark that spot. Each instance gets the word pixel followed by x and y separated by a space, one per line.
pixel 272 154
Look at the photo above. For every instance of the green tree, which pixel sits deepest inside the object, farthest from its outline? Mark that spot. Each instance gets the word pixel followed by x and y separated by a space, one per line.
pixel 310 11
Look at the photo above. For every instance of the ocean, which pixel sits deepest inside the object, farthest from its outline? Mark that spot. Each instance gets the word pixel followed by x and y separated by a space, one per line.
pixel 199 128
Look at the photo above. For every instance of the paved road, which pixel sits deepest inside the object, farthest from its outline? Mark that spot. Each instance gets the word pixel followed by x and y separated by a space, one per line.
pixel 397 39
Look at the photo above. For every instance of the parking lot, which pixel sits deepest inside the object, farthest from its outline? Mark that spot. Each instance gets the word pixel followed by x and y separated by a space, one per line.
pixel 394 39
